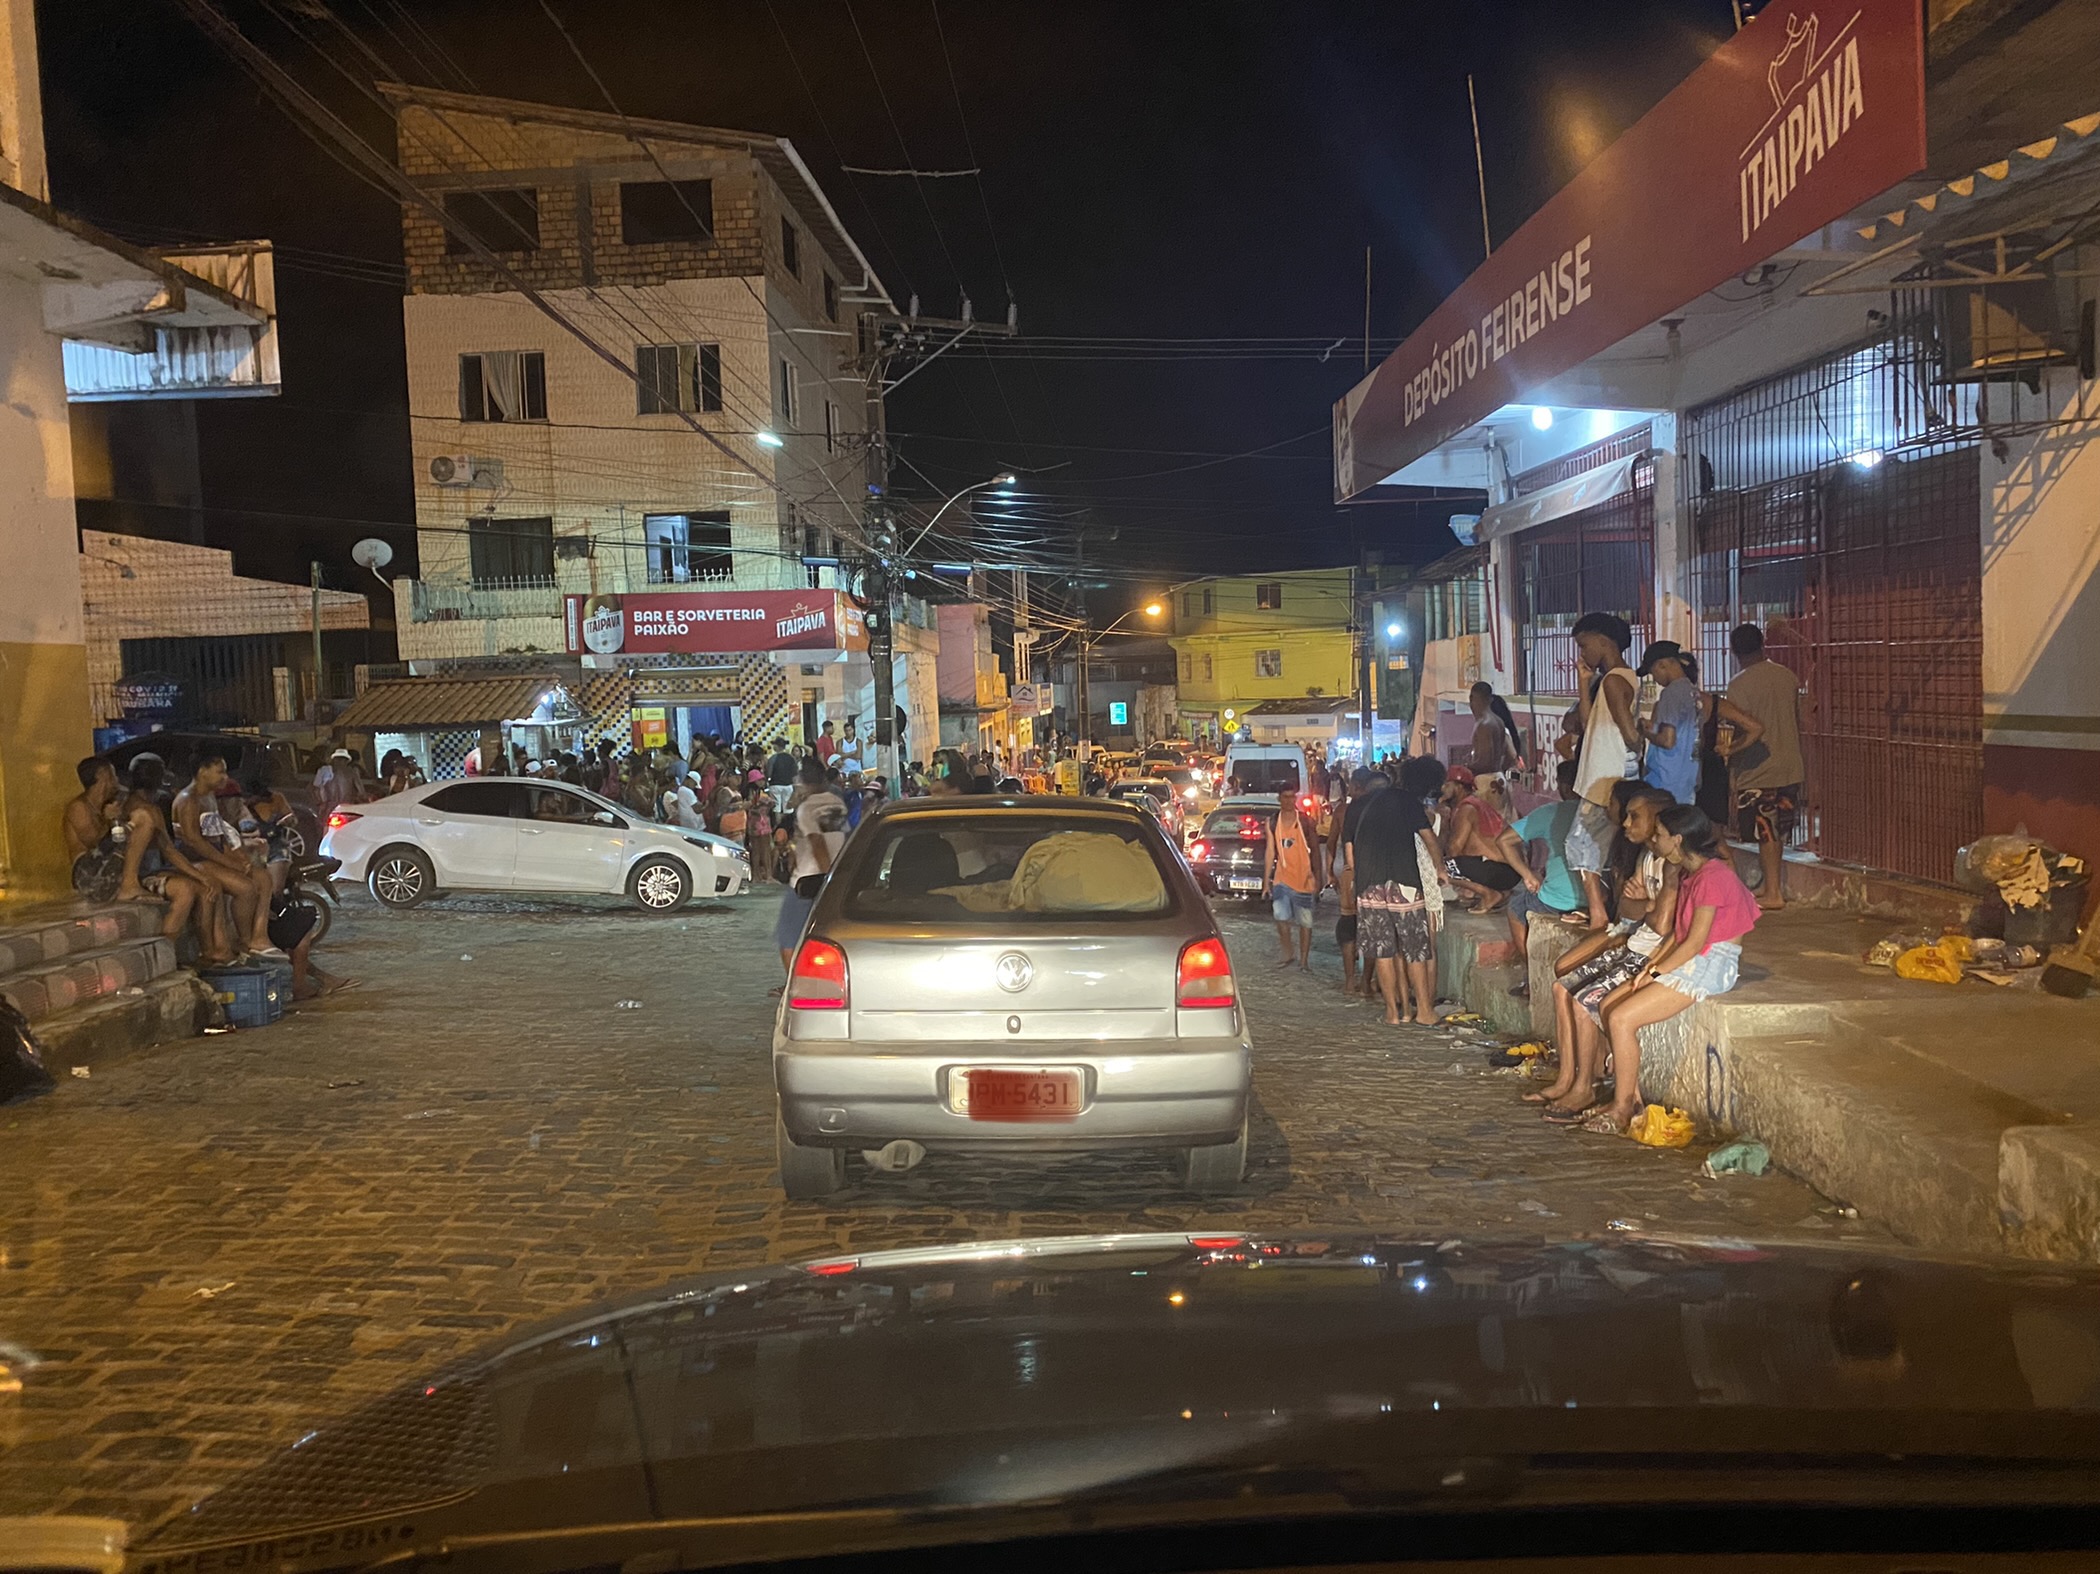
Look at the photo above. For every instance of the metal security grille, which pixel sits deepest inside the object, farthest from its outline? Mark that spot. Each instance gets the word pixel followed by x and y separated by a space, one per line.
pixel 1839 512
pixel 1600 560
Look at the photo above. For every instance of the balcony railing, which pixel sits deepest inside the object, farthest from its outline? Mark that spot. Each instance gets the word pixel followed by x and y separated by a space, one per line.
pixel 458 601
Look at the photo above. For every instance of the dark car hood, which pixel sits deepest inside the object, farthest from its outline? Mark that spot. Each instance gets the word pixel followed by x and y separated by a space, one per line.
pixel 1070 1368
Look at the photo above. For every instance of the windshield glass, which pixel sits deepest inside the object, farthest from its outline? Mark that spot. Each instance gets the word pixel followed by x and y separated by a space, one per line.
pixel 963 869
pixel 1284 774
pixel 1250 823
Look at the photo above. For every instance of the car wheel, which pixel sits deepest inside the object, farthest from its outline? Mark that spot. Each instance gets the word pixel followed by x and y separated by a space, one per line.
pixel 1217 1167
pixel 401 877
pixel 300 836
pixel 806 1173
pixel 660 884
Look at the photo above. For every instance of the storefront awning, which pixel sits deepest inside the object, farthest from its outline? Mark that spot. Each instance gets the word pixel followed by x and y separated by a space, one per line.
pixel 1792 123
pixel 1561 499
pixel 428 704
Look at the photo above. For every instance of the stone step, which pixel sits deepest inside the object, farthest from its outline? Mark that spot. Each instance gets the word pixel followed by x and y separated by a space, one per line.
pixel 48 988
pixel 34 936
pixel 86 1037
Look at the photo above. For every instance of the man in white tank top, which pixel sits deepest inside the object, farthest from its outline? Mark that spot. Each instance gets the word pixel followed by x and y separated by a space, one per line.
pixel 1610 751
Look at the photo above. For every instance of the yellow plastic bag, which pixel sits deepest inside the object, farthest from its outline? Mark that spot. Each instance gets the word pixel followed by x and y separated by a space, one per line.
pixel 1932 964
pixel 1659 1126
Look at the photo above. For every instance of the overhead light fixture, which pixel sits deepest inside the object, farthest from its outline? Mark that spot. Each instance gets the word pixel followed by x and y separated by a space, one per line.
pixel 769 440
pixel 1392 631
pixel 1867 458
pixel 1008 479
pixel 1542 418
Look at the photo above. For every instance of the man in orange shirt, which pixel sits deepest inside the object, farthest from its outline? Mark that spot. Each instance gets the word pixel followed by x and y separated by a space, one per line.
pixel 1292 874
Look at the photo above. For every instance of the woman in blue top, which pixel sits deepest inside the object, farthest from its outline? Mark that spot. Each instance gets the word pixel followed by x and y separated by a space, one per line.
pixel 1672 731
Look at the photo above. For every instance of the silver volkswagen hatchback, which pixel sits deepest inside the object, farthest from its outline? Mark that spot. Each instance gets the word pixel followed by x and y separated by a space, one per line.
pixel 1016 975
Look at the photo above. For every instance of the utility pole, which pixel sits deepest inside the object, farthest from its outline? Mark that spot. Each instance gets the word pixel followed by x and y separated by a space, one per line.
pixel 316 581
pixel 895 338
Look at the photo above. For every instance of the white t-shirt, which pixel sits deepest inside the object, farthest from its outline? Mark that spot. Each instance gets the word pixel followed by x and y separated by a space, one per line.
pixel 688 809
pixel 822 815
pixel 1608 756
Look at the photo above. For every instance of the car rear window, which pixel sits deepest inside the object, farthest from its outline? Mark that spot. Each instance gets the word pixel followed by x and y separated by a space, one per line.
pixel 1008 867
pixel 1250 823
pixel 1180 776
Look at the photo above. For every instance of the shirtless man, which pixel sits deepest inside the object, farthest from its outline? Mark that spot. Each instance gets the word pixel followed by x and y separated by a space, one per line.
pixel 155 868
pixel 89 816
pixel 203 834
pixel 1473 832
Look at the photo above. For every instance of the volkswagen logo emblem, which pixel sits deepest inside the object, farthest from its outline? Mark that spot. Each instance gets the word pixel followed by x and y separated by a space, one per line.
pixel 1013 971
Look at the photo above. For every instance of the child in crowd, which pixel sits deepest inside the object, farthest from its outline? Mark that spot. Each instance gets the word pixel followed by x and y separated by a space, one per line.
pixel 1555 892
pixel 1645 887
pixel 1714 911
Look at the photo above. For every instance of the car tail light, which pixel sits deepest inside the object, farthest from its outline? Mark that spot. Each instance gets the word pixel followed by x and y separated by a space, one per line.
pixel 1216 1243
pixel 1204 977
pixel 832 1269
pixel 1307 803
pixel 1251 827
pixel 1199 849
pixel 340 818
pixel 818 982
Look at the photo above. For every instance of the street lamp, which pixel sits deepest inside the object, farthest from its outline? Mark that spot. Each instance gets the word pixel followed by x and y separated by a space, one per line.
pixel 1007 479
pixel 1087 639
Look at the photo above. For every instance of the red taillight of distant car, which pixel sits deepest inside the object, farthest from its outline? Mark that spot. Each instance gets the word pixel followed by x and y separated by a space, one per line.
pixel 1199 849
pixel 340 818
pixel 1204 978
pixel 818 982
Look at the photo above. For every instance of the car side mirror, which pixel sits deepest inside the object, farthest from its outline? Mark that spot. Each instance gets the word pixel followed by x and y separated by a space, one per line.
pixel 605 817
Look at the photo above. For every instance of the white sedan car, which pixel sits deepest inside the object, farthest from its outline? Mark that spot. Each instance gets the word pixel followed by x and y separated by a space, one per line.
pixel 517 834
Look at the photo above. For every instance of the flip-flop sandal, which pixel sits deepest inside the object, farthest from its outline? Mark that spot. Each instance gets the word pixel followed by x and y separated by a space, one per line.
pixel 1535 1098
pixel 1554 1115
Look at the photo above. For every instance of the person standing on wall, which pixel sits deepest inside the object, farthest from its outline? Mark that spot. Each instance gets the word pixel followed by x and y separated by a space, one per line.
pixel 1765 764
pixel 1609 754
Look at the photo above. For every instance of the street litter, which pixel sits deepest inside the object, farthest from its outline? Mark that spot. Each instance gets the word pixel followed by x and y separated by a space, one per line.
pixel 83 1071
pixel 627 1005
pixel 1532 1205
pixel 1461 1018
pixel 1739 1158
pixel 205 1292
pixel 468 957
pixel 2071 968
pixel 1839 1210
pixel 1659 1126
pixel 1938 963
pixel 349 1082
pixel 1458 1068
pixel 1623 1224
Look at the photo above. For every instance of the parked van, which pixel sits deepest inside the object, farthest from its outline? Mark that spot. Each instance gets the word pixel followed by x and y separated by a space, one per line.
pixel 1268 767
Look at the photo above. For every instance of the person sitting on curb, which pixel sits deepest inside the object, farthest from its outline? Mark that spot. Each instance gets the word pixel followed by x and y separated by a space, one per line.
pixel 1589 973
pixel 156 870
pixel 1554 893
pixel 200 829
pixel 1714 911
pixel 1473 831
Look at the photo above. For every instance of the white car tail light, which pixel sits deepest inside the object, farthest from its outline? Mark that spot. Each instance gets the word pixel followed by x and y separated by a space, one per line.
pixel 341 818
pixel 1204 978
pixel 818 982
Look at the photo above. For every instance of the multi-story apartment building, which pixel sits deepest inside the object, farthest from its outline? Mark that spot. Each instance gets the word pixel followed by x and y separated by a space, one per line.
pixel 679 411
pixel 1281 642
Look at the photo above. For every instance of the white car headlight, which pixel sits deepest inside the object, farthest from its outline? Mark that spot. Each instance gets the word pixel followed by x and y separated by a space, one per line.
pixel 1188 792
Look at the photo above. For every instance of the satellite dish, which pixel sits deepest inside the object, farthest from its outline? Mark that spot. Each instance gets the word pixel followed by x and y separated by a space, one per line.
pixel 374 554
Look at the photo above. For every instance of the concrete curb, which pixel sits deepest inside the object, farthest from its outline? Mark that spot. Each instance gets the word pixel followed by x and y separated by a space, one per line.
pixel 1944 1161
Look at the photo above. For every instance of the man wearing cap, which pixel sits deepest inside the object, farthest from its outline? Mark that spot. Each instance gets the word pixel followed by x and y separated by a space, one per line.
pixel 1672 729
pixel 1473 841
pixel 685 806
pixel 338 783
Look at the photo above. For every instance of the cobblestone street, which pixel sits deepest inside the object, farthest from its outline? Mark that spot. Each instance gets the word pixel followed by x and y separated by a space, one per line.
pixel 212 1247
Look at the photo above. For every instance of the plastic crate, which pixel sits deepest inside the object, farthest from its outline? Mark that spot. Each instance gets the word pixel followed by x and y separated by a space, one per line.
pixel 252 996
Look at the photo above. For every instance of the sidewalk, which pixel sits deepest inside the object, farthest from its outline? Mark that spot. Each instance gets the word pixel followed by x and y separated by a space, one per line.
pixel 1964 1117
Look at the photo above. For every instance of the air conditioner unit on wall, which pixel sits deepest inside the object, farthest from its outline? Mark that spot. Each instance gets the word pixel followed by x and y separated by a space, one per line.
pixel 466 470
pixel 2002 330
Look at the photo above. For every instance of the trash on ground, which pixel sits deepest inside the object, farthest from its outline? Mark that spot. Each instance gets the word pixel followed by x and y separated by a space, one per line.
pixel 348 1082
pixel 1841 1210
pixel 1461 1018
pixel 467 957
pixel 1458 1068
pixel 1533 1205
pixel 2071 968
pixel 205 1292
pixel 83 1071
pixel 1659 1126
pixel 627 1005
pixel 1938 963
pixel 1739 1158
pixel 1623 1224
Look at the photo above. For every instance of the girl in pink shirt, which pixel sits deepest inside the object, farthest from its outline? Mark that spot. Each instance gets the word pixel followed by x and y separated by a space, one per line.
pixel 1714 911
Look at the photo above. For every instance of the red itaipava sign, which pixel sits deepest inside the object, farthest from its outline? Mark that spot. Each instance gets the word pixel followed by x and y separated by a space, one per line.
pixel 1812 109
pixel 647 622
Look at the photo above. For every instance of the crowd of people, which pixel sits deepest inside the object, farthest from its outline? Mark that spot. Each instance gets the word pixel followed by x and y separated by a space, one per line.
pixel 215 852
pixel 1631 854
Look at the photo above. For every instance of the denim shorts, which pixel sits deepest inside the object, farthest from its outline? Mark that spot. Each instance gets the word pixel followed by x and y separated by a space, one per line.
pixel 793 919
pixel 1291 907
pixel 1589 840
pixel 1712 972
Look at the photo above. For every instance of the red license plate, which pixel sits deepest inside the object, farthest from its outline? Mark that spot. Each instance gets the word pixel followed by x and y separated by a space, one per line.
pixel 1020 1095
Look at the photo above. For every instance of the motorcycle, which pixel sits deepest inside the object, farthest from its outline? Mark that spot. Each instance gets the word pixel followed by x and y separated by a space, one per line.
pixel 311 885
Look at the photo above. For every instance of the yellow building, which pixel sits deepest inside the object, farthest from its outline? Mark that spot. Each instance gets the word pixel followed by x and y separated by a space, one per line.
pixel 1262 637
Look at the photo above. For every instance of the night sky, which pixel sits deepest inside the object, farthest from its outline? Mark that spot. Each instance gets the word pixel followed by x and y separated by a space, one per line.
pixel 1150 172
